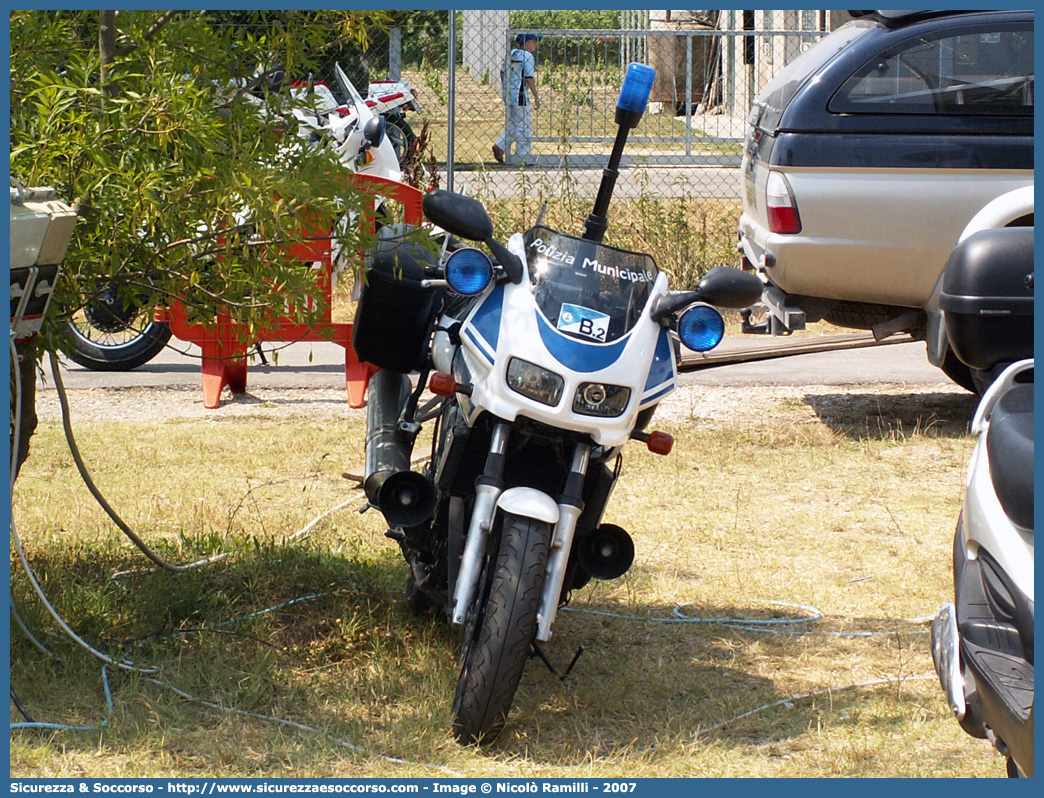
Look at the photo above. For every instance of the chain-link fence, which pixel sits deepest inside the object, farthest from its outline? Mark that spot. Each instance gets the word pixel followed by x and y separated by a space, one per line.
pixel 678 196
pixel 707 74
pixel 696 114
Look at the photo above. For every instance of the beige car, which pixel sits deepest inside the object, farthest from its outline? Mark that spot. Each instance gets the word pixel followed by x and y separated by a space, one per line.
pixel 867 156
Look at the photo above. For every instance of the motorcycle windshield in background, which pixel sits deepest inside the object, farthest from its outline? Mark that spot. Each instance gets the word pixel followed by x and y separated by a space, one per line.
pixel 587 290
pixel 361 108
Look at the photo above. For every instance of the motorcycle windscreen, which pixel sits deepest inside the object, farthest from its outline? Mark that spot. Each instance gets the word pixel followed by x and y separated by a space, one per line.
pixel 587 290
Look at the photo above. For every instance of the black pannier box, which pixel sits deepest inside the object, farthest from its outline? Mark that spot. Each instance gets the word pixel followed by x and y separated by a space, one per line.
pixel 396 313
pixel 987 297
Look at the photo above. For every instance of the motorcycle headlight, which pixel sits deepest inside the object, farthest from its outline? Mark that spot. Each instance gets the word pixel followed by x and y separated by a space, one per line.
pixel 535 382
pixel 597 399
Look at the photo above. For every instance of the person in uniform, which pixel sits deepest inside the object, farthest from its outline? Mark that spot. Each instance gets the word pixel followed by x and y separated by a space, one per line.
pixel 517 85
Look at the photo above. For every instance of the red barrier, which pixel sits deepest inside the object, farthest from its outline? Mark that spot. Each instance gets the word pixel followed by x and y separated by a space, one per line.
pixel 225 343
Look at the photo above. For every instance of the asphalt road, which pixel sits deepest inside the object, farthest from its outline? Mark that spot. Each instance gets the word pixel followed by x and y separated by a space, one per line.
pixel 321 365
pixel 886 363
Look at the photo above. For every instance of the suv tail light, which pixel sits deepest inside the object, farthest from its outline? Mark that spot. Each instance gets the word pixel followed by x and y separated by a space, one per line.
pixel 782 210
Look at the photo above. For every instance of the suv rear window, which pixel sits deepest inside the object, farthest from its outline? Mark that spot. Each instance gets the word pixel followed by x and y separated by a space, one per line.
pixel 777 95
pixel 985 71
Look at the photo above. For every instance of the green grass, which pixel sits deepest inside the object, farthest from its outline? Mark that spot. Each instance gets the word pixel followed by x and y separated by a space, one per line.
pixel 846 502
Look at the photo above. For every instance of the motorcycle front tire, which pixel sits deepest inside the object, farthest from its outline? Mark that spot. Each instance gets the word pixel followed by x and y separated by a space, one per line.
pixel 497 643
pixel 124 355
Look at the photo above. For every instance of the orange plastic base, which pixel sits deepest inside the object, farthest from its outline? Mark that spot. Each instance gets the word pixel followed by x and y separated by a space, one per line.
pixel 225 344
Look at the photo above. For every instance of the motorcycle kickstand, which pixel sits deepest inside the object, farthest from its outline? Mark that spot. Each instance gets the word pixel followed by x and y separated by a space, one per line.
pixel 539 653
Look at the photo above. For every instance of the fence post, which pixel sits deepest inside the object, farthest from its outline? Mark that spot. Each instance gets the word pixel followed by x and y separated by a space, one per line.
pixel 730 82
pixel 688 94
pixel 395 52
pixel 451 97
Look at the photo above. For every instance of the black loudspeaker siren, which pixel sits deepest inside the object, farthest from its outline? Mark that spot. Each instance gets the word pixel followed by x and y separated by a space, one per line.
pixel 406 499
pixel 607 552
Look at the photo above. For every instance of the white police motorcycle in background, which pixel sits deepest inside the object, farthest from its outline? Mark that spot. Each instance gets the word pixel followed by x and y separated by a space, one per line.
pixel 391 99
pixel 982 642
pixel 113 332
pixel 558 358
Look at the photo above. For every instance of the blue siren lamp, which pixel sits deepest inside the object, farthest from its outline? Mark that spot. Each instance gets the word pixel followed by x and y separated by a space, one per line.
pixel 630 105
pixel 469 271
pixel 701 328
pixel 634 94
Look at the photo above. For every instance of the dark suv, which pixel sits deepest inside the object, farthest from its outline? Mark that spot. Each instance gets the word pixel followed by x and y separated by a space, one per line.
pixel 866 156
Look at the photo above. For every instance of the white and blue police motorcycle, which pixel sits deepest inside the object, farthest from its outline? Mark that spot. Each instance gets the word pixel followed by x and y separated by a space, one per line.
pixel 544 361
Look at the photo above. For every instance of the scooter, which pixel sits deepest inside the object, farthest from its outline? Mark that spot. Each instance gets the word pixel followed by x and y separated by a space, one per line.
pixel 544 361
pixel 982 642
pixel 115 332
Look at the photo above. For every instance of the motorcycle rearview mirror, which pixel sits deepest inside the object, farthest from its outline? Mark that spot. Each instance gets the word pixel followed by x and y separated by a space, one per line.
pixel 466 217
pixel 722 286
pixel 373 130
pixel 727 287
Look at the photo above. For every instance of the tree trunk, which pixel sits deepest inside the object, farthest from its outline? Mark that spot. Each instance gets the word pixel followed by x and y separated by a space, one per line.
pixel 107 49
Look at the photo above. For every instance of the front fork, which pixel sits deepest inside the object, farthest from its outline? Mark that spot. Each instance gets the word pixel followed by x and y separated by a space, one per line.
pixel 487 491
pixel 570 506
